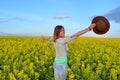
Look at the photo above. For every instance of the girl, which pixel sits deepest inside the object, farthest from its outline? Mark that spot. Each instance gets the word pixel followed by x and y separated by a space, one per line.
pixel 60 44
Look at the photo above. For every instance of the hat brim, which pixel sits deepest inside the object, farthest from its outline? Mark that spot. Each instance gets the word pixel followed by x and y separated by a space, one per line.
pixel 102 25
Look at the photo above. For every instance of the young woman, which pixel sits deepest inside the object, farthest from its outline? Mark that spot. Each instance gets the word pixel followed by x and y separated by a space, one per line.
pixel 60 44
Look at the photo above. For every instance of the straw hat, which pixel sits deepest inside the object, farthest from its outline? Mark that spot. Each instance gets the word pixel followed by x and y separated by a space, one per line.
pixel 102 25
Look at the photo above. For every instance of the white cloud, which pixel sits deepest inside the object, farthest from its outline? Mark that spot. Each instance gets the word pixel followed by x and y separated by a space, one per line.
pixel 61 17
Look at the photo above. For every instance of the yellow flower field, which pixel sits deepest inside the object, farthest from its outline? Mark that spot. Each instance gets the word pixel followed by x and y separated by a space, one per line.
pixel 30 58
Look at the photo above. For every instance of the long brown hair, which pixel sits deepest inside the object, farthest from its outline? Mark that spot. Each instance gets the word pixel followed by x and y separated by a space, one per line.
pixel 57 32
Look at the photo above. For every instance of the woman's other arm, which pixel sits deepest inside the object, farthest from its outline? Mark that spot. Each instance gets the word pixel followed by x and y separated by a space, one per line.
pixel 46 38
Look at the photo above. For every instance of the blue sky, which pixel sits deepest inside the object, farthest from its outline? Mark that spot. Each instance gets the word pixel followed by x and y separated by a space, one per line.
pixel 39 17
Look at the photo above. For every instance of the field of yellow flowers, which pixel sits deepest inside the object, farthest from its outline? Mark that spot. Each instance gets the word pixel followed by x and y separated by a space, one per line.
pixel 30 58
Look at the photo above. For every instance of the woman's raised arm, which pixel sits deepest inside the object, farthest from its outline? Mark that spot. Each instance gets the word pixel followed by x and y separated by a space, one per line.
pixel 85 30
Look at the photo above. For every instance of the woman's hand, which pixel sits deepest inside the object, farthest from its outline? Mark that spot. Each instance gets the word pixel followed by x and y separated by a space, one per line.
pixel 92 26
pixel 44 38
